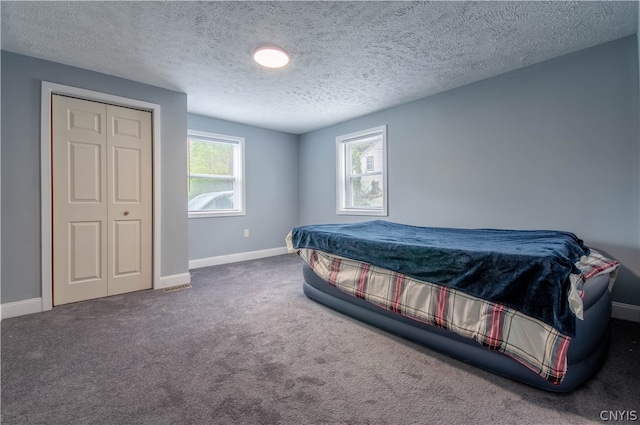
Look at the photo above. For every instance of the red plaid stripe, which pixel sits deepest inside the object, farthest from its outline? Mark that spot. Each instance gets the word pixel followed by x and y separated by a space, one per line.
pixel 398 286
pixel 596 264
pixel 557 372
pixel 362 282
pixel 335 269
pixel 595 270
pixel 313 259
pixel 441 312
pixel 493 334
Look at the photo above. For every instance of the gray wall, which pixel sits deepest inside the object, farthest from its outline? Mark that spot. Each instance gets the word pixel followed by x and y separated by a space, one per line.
pixel 271 184
pixel 21 84
pixel 553 146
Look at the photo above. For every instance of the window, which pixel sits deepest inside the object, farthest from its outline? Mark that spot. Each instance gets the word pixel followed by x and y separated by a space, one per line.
pixel 362 174
pixel 370 163
pixel 216 174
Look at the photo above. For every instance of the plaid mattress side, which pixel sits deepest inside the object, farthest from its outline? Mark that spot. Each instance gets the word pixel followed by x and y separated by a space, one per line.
pixel 536 345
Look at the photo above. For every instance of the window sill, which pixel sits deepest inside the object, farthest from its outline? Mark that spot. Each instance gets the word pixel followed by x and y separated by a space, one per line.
pixel 209 214
pixel 380 213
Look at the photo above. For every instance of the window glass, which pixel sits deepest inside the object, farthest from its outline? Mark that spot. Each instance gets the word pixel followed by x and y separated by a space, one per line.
pixel 361 172
pixel 215 174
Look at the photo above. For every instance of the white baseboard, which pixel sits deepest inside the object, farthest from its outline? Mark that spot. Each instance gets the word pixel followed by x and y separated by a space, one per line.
pixel 21 308
pixel 625 311
pixel 173 280
pixel 34 305
pixel 234 258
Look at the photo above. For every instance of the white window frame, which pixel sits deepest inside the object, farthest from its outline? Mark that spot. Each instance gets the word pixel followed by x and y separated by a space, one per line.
pixel 238 168
pixel 343 174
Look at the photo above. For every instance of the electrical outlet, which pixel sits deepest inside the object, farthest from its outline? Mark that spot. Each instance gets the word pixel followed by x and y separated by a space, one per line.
pixel 246 233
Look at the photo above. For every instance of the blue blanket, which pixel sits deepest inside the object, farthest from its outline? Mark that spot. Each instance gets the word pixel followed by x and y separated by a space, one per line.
pixel 527 270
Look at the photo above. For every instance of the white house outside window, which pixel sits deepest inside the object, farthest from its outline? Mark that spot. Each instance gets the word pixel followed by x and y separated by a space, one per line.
pixel 362 172
pixel 216 174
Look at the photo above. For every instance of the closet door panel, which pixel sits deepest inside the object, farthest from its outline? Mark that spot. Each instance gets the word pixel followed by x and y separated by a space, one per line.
pixel 79 200
pixel 130 199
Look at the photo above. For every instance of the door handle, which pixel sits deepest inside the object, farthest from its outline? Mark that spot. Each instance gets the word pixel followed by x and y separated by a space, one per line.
pixel 126 213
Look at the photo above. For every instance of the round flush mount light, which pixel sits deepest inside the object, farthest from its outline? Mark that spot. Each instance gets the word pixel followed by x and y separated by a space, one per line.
pixel 271 56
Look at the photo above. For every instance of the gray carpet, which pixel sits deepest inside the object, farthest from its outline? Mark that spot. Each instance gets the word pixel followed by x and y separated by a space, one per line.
pixel 245 346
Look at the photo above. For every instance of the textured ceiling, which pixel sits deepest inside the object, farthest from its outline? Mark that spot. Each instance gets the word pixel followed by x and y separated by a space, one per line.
pixel 347 58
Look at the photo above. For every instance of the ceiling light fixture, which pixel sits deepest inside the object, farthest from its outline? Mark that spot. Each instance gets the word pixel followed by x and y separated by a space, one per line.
pixel 271 56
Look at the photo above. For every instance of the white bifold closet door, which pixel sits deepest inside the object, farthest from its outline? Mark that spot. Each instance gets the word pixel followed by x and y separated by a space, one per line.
pixel 102 199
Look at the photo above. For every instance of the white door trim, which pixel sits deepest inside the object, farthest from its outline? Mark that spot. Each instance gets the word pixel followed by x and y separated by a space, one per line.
pixel 45 176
